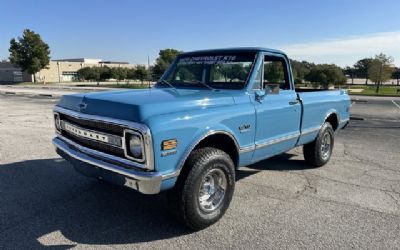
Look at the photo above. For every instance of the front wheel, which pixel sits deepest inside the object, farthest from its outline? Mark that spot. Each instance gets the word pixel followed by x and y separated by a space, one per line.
pixel 204 189
pixel 318 152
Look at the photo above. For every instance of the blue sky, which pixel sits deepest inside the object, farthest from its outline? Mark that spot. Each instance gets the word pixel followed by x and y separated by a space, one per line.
pixel 325 31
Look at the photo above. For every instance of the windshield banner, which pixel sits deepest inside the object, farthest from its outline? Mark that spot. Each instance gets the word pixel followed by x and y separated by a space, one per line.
pixel 207 59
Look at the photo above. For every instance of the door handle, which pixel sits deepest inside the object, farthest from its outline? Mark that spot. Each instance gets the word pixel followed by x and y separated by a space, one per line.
pixel 293 102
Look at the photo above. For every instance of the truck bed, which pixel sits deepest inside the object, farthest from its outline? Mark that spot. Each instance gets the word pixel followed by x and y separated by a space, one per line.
pixel 317 104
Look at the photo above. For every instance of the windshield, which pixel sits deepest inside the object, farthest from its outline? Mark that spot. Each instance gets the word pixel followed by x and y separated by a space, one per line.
pixel 212 70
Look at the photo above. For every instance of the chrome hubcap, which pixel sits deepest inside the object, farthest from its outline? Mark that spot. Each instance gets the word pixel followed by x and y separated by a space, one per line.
pixel 326 146
pixel 212 190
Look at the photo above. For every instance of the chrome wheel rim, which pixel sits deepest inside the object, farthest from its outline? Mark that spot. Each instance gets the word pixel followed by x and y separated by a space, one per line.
pixel 326 146
pixel 212 190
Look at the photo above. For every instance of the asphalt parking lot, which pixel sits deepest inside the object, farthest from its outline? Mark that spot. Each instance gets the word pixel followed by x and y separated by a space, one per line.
pixel 353 202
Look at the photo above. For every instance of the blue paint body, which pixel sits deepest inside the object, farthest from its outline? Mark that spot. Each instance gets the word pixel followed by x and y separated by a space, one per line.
pixel 189 114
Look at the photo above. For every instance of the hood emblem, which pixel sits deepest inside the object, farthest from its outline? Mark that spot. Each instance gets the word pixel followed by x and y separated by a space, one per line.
pixel 82 106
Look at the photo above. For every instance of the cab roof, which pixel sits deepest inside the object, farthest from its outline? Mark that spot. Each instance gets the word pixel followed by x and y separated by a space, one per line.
pixel 237 49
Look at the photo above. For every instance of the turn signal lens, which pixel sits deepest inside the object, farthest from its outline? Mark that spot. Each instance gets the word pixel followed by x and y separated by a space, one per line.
pixel 169 144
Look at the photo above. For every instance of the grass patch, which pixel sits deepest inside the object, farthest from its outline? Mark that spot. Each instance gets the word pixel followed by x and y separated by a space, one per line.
pixel 370 90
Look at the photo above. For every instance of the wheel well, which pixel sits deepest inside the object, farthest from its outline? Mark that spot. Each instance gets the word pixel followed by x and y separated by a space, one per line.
pixel 223 142
pixel 333 120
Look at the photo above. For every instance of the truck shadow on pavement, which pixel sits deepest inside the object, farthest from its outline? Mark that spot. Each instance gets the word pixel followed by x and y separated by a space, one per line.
pixel 46 204
pixel 282 162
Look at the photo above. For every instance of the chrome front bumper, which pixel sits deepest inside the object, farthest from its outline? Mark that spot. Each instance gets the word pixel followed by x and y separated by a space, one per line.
pixel 142 181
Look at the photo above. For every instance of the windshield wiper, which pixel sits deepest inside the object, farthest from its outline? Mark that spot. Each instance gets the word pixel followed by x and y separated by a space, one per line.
pixel 204 84
pixel 168 83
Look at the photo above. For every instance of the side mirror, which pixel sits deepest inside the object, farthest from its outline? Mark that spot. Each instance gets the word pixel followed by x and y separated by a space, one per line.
pixel 260 94
pixel 270 89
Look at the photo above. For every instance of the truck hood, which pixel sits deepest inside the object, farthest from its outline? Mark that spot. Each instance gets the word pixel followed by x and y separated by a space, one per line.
pixel 138 105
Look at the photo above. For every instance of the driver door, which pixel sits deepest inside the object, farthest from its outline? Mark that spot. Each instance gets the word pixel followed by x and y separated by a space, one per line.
pixel 278 111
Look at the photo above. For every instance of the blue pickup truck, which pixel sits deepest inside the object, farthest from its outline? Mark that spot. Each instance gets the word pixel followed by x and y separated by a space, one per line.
pixel 210 113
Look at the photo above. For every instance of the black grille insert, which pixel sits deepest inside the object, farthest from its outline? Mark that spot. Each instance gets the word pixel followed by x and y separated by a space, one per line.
pixel 95 125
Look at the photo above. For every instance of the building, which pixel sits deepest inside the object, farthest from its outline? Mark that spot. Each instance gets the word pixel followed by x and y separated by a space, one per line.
pixel 66 70
pixel 9 73
pixel 61 70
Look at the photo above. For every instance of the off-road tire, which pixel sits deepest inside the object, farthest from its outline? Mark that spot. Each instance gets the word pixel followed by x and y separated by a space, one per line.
pixel 183 199
pixel 313 152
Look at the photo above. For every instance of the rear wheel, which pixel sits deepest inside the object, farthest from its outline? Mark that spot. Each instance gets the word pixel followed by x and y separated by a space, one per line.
pixel 318 152
pixel 204 189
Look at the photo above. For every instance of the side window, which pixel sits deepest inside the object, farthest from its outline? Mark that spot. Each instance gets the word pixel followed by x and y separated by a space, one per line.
pixel 275 73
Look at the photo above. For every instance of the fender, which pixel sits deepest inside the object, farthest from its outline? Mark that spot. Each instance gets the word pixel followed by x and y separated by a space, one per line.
pixel 329 113
pixel 200 139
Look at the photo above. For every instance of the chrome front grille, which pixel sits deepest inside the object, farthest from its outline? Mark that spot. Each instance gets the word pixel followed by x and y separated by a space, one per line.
pixel 95 125
pixel 104 136
pixel 88 134
pixel 87 137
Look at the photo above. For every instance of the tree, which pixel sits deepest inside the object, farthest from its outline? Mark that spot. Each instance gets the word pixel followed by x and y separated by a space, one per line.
pixel 325 74
pixel 105 73
pixel 84 73
pixel 350 72
pixel 30 52
pixel 273 72
pixel 396 75
pixel 90 73
pixel 300 70
pixel 131 73
pixel 118 73
pixel 380 69
pixel 361 68
pixel 141 73
pixel 166 56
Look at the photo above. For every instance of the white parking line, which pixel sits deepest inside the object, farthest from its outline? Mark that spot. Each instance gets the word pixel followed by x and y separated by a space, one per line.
pixel 397 105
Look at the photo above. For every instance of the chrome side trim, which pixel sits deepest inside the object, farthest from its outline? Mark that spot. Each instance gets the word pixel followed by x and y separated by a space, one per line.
pixel 247 149
pixel 310 130
pixel 277 140
pixel 142 128
pixel 144 182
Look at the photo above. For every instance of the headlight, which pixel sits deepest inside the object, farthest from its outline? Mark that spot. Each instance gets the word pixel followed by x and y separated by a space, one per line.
pixel 135 146
pixel 57 121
